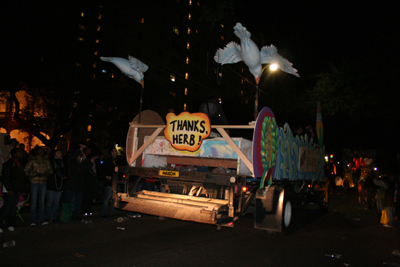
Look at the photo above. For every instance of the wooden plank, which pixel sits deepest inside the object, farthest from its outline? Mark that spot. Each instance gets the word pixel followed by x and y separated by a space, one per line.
pixel 210 162
pixel 239 152
pixel 148 142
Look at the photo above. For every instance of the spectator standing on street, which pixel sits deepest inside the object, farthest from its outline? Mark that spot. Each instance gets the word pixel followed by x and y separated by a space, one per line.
pixel 109 171
pixel 380 194
pixel 389 202
pixel 90 177
pixel 24 159
pixel 54 186
pixel 100 176
pixel 13 180
pixel 74 183
pixel 37 170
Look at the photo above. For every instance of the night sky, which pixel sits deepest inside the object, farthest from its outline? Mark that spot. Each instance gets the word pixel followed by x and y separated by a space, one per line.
pixel 314 35
pixel 316 32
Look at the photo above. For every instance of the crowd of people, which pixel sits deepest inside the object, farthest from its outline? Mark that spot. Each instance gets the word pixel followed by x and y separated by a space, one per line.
pixel 73 182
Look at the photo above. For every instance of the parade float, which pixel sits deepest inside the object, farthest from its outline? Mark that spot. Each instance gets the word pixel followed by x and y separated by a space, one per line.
pixel 216 180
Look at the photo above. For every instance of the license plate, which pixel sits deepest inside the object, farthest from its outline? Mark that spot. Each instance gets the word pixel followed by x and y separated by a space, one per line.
pixel 168 173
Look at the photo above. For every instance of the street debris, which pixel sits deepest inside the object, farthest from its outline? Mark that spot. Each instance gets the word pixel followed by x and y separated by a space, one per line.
pixel 134 215
pixel 9 244
pixel 338 256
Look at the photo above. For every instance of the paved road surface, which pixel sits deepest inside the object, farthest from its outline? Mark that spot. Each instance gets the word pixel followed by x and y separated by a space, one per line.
pixel 349 232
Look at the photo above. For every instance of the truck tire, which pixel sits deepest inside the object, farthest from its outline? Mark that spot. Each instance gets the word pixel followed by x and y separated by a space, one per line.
pixel 324 206
pixel 287 212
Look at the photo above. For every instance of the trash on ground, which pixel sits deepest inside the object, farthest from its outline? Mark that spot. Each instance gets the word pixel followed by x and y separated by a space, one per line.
pixel 338 256
pixel 9 244
pixel 391 263
pixel 134 216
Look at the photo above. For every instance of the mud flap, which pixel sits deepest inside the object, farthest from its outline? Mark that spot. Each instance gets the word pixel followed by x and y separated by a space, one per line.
pixel 270 209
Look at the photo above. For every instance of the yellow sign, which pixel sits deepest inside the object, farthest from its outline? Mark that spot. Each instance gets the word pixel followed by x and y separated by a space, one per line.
pixel 168 173
pixel 187 130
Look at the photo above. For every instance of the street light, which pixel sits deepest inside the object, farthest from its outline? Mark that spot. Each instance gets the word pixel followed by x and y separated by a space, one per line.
pixel 272 67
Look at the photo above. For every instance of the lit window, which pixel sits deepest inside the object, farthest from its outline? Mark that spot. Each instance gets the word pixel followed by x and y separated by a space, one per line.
pixel 172 94
pixel 87 140
pixel 98 28
pixel 188 45
pixel 94 76
pixel 188 30
pixel 142 20
pixel 222 37
pixel 99 16
pixel 112 75
pixel 222 25
pixel 242 83
pixel 220 74
pixel 190 2
pixel 82 27
pixel 80 39
pixel 198 3
pixel 241 91
pixel 95 65
pixel 185 91
pixel 172 77
pixel 95 53
pixel 189 16
pixel 89 128
pixel 187 60
pixel 197 31
pixel 97 41
pixel 186 76
pixel 82 14
pixel 176 30
pixel 184 107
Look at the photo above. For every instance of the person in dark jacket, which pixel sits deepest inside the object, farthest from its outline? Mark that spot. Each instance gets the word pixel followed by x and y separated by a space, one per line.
pixel 109 171
pixel 75 183
pixel 54 186
pixel 37 170
pixel 13 176
pixel 90 177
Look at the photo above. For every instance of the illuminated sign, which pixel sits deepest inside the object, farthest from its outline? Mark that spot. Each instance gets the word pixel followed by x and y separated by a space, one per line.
pixel 186 131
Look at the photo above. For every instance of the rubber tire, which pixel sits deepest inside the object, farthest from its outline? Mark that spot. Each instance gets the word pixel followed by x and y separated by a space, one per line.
pixel 287 212
pixel 324 207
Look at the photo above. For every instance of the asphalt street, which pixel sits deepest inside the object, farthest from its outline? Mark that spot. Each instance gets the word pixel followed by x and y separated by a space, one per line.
pixel 347 235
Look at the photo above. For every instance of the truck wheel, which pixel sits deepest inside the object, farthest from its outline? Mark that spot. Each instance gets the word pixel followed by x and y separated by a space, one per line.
pixel 324 203
pixel 286 213
pixel 324 206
